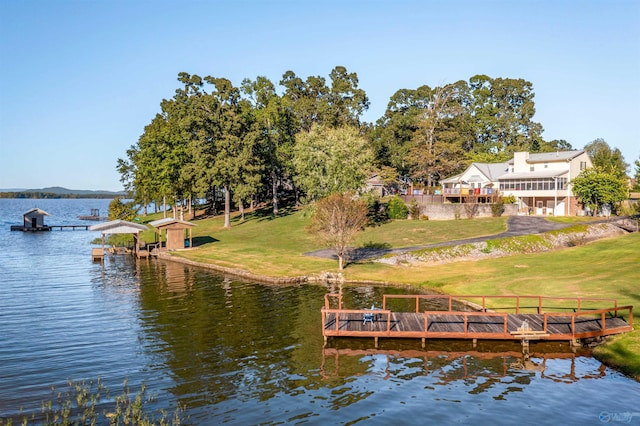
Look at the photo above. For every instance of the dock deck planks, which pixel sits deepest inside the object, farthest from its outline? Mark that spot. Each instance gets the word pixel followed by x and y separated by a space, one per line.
pixel 478 325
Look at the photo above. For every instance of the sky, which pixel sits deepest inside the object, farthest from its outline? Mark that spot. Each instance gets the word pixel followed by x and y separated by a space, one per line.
pixel 79 80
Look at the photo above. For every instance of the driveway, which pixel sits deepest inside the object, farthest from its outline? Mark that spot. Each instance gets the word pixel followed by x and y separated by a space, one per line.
pixel 516 225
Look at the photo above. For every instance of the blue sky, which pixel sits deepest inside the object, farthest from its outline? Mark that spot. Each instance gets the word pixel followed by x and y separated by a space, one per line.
pixel 79 80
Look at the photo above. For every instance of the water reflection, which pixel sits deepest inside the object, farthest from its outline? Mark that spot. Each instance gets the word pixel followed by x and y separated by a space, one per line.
pixel 448 366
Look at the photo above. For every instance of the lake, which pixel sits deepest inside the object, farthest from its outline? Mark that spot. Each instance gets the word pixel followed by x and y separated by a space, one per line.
pixel 237 352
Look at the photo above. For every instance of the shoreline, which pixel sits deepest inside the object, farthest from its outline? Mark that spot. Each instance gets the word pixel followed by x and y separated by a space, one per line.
pixel 337 278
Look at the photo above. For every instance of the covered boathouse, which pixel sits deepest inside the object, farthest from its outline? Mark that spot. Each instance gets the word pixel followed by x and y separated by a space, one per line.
pixel 174 233
pixel 33 221
pixel 117 227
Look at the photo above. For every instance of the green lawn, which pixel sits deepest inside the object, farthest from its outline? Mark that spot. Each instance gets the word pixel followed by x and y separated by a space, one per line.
pixel 275 247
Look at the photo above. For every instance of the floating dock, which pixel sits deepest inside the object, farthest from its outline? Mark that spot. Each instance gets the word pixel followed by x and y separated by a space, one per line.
pixel 521 318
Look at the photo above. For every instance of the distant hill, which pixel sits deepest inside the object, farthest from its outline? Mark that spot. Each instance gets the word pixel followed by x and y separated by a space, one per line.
pixel 58 192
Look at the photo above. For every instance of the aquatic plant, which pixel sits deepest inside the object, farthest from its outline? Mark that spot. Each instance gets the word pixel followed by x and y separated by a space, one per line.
pixel 79 403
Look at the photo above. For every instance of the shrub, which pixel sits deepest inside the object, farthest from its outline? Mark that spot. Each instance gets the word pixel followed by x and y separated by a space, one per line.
pixel 376 209
pixel 497 208
pixel 510 199
pixel 397 209
pixel 414 210
pixel 471 210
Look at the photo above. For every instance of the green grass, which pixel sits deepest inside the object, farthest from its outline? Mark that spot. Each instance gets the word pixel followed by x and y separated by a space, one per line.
pixel 406 233
pixel 622 352
pixel 275 247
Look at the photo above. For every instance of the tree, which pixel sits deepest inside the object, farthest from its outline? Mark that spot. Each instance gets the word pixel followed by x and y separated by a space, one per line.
pixel 274 130
pixel 224 148
pixel 603 156
pixel 330 160
pixel 596 186
pixel 438 140
pixel 503 110
pixel 337 220
pixel 393 136
pixel 347 102
pixel 120 210
pixel 313 103
pixel 308 99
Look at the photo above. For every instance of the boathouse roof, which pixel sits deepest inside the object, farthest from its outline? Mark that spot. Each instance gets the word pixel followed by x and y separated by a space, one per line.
pixel 36 210
pixel 118 227
pixel 169 221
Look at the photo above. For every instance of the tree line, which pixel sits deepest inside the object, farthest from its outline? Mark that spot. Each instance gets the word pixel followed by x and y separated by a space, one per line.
pixel 306 138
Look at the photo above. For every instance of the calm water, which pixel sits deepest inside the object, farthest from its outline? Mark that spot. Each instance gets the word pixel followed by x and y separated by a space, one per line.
pixel 244 353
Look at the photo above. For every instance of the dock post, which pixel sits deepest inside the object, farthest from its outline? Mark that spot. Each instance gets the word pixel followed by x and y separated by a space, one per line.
pixel 475 343
pixel 423 342
pixel 376 341
pixel 575 344
pixel 525 348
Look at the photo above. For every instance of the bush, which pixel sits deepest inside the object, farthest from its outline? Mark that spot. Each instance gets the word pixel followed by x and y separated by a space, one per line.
pixel 376 209
pixel 510 199
pixel 397 209
pixel 414 210
pixel 497 208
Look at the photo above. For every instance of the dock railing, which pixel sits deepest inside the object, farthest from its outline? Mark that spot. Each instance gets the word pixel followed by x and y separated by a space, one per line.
pixel 465 333
pixel 541 304
pixel 601 313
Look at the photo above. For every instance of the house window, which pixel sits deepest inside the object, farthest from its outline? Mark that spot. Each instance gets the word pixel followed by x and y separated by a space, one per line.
pixel 583 165
pixel 531 168
pixel 546 165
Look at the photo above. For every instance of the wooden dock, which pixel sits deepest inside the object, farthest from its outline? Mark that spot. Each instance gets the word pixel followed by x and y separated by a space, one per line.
pixel 48 228
pixel 72 227
pixel 566 319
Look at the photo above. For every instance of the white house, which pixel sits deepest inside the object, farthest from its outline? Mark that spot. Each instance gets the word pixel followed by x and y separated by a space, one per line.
pixel 539 182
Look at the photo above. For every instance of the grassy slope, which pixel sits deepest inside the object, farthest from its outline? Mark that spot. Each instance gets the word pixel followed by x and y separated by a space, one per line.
pixel 274 247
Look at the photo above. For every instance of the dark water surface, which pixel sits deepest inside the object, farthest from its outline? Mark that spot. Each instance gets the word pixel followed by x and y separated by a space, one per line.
pixel 244 353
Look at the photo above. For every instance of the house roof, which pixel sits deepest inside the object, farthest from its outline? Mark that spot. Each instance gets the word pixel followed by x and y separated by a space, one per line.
pixel 533 175
pixel 36 210
pixel 161 223
pixel 452 179
pixel 546 157
pixel 492 170
pixel 118 227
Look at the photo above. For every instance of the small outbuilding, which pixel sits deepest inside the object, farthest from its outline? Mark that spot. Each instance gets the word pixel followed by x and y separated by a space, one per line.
pixel 174 232
pixel 33 220
pixel 117 227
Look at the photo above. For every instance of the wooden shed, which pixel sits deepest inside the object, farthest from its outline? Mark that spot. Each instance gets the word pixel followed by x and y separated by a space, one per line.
pixel 33 220
pixel 174 232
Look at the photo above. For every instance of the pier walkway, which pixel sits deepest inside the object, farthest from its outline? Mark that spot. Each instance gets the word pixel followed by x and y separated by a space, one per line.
pixel 510 318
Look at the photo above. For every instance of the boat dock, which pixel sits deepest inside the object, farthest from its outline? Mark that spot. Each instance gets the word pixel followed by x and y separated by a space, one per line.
pixel 520 318
pixel 47 228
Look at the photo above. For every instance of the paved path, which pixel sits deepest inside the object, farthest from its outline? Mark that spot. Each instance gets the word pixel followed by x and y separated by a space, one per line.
pixel 516 225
